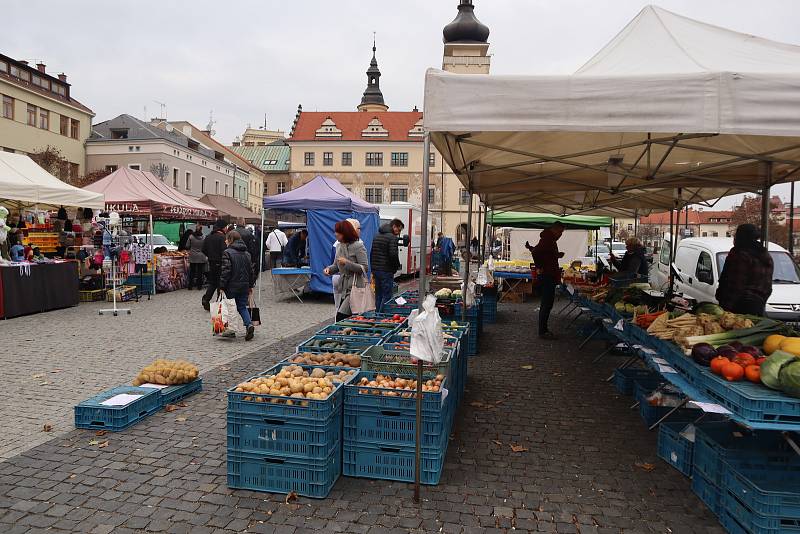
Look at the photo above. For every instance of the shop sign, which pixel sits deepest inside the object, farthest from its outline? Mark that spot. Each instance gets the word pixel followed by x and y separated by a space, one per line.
pixel 127 207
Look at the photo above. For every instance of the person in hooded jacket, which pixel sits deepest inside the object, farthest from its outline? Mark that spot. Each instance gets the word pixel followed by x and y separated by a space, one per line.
pixel 183 243
pixel 237 277
pixel 548 273
pixel 745 282
pixel 213 246
pixel 633 263
pixel 385 261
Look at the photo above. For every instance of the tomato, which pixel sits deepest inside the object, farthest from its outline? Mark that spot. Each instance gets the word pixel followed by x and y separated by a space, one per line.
pixel 753 373
pixel 717 364
pixel 744 359
pixel 733 372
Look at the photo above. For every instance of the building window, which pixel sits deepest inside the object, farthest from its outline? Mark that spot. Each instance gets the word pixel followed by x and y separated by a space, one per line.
pixel 111 168
pixel 463 197
pixel 398 194
pixel 308 159
pixel 44 119
pixel 75 126
pixel 174 177
pixel 431 195
pixel 281 187
pixel 226 190
pixel 374 159
pixel 216 187
pixel 135 167
pixel 373 194
pixel 188 183
pixel 202 184
pixel 714 234
pixel 399 159
pixel 31 115
pixel 347 159
pixel 432 159
pixel 630 227
pixel 327 159
pixel 8 107
pixel 63 127
pixel 73 170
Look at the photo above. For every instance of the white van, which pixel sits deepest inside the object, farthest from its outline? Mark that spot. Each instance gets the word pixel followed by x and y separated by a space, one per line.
pixel 699 262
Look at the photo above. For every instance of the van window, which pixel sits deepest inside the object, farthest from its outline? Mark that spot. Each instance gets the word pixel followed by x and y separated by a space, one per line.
pixel 664 258
pixel 785 271
pixel 705 265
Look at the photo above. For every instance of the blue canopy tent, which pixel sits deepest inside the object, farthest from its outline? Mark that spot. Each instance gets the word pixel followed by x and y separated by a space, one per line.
pixel 326 202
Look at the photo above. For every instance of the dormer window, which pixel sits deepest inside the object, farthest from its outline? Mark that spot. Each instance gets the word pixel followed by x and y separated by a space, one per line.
pixel 328 128
pixel 119 133
pixel 375 129
pixel 417 130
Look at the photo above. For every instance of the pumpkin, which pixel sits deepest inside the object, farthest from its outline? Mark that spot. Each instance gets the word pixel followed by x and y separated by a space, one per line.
pixel 773 343
pixel 753 373
pixel 791 345
pixel 717 364
pixel 733 372
pixel 744 359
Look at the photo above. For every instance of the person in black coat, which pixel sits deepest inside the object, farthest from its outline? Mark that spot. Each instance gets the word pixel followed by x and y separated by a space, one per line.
pixel 237 277
pixel 213 246
pixel 385 261
pixel 634 262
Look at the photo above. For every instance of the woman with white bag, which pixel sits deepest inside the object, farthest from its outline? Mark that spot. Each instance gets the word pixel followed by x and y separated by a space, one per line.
pixel 351 263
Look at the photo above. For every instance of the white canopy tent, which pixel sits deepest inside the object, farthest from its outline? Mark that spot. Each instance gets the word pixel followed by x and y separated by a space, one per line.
pixel 24 183
pixel 671 112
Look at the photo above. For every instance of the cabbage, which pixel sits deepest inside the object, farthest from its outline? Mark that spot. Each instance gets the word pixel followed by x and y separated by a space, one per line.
pixel 790 378
pixel 771 368
pixel 710 308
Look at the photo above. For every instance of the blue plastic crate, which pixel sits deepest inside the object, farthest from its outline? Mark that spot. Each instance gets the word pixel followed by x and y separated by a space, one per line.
pixel 737 516
pixel 92 414
pixel 651 414
pixel 675 449
pixel 708 492
pixel 345 344
pixel 720 442
pixel 173 394
pixel 259 472
pixel 625 379
pixel 772 491
pixel 396 428
pixel 371 397
pixel 391 463
pixel 280 407
pixel 284 436
pixel 361 333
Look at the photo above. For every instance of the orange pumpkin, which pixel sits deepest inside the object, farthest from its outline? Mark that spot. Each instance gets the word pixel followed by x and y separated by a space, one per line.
pixel 753 373
pixel 733 372
pixel 717 364
pixel 744 359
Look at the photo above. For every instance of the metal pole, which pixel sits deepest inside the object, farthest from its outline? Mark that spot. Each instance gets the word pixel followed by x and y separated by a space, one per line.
pixel 417 452
pixel 765 170
pixel 423 249
pixel 636 222
pixel 791 221
pixel 261 255
pixel 671 240
pixel 468 255
pixel 484 230
pixel 479 227
pixel 152 254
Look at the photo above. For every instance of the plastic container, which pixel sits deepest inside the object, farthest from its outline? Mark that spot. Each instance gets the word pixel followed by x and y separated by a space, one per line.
pixel 651 414
pixel 391 463
pixel 330 343
pixel 358 331
pixel 92 414
pixel 309 478
pixel 391 359
pixel 770 491
pixel 674 448
pixel 173 394
pixel 624 379
pixel 708 492
pixel 284 436
pixel 738 517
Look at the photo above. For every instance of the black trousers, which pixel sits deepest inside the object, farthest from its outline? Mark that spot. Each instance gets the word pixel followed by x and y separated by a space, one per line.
pixel 213 282
pixel 196 275
pixel 547 290
pixel 341 316
pixel 275 259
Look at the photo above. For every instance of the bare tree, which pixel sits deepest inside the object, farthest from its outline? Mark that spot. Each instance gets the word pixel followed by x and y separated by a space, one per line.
pixel 51 160
pixel 749 212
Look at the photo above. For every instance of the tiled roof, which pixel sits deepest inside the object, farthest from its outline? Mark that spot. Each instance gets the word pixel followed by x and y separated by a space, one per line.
pixel 695 217
pixel 353 123
pixel 268 158
pixel 44 92
pixel 706 216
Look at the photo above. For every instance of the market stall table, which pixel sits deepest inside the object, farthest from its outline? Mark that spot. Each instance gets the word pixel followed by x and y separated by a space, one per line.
pixel 290 280
pixel 35 288
pixel 516 286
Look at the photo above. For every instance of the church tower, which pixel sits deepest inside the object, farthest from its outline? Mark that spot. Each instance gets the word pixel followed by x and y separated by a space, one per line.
pixel 466 43
pixel 373 98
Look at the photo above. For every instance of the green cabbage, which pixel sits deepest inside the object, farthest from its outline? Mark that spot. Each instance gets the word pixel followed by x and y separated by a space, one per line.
pixel 710 308
pixel 771 368
pixel 790 378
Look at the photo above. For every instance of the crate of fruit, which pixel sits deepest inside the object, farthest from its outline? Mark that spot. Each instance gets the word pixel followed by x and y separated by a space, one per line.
pixel 290 390
pixel 280 474
pixel 326 359
pixel 674 446
pixel 327 343
pixel 178 392
pixel 375 320
pixel 396 359
pixel 355 331
pixel 366 392
pixel 117 408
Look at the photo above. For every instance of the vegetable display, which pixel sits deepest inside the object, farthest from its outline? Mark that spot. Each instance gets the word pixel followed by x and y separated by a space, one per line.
pixel 330 359
pixel 167 373
pixel 395 386
pixel 294 382
pixel 772 372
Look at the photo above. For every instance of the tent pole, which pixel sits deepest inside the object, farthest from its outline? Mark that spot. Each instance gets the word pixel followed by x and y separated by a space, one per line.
pixel 152 254
pixel 671 240
pixel 791 222
pixel 423 248
pixel 765 170
pixel 636 222
pixel 484 230
pixel 261 255
pixel 468 255
pixel 480 225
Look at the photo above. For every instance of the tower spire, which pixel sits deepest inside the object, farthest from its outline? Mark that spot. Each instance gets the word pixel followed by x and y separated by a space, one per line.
pixel 372 100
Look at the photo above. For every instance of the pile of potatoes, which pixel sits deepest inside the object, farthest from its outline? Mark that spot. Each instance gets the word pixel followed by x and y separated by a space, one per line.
pixel 167 373
pixel 399 387
pixel 333 359
pixel 294 382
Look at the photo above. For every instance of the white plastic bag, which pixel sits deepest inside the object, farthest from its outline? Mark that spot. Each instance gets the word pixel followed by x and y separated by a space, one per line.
pixel 469 294
pixel 483 277
pixel 223 315
pixel 427 338
pixel 490 264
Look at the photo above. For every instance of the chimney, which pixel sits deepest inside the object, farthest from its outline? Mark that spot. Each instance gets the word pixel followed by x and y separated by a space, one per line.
pixel 62 77
pixel 41 67
pixel 236 143
pixel 23 61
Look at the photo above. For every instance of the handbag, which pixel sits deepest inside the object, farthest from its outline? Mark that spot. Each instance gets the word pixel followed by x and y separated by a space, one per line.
pixel 255 312
pixel 362 299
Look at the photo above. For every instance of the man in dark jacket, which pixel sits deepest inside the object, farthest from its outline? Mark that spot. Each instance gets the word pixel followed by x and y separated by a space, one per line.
pixel 633 263
pixel 237 277
pixel 213 245
pixel 385 261
pixel 745 283
pixel 548 273
pixel 295 249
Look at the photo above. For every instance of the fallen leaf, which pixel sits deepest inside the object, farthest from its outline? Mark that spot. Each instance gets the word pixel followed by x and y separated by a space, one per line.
pixel 73 476
pixel 645 466
pixel 170 408
pixel 182 405
pixel 291 497
pixel 103 445
pixel 101 433
pixel 526 367
pixel 476 404
pixel 499 402
pixel 518 448
pixel 94 442
pixel 47 427
pixel 38 376
pixel 180 419
pixel 44 383
pixel 497 442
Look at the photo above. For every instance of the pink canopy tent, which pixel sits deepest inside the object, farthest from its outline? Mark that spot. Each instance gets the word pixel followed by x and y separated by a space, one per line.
pixel 133 192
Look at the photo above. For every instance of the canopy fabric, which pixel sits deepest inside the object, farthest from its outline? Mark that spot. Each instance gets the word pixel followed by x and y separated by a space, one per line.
pixel 321 193
pixel 24 182
pixel 227 206
pixel 545 220
pixel 671 112
pixel 133 192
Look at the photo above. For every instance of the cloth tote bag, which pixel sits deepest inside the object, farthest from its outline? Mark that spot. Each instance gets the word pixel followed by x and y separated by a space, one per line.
pixel 362 299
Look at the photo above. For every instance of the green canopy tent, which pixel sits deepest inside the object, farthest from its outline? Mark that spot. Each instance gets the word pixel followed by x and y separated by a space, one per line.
pixel 518 219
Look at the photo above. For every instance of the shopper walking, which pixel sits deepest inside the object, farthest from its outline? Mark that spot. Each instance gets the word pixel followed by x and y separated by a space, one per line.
pixel 237 277
pixel 213 246
pixel 385 261
pixel 197 260
pixel 548 273
pixel 351 263
pixel 276 241
pixel 745 282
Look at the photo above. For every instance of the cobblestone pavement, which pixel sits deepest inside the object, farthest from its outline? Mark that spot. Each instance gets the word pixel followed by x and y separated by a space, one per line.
pixel 54 360
pixel 578 474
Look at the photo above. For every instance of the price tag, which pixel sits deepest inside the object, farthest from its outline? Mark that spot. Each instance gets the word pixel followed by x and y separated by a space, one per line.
pixel 666 369
pixel 400 301
pixel 710 407
pixel 661 361
pixel 648 350
pixel 570 289
pixel 620 325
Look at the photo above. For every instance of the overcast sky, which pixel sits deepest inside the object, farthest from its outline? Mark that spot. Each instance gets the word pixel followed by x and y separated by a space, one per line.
pixel 245 59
